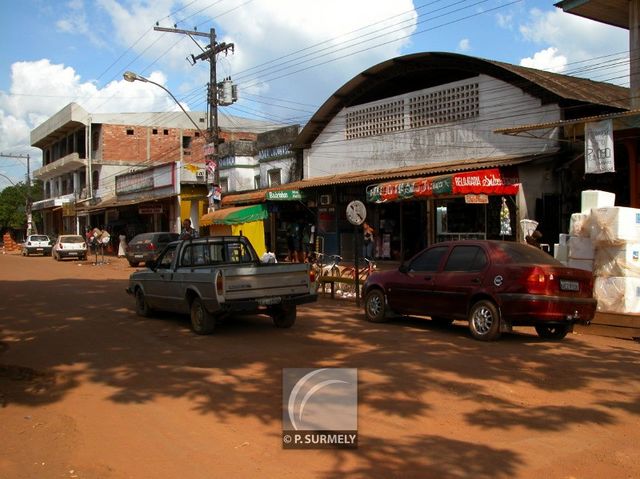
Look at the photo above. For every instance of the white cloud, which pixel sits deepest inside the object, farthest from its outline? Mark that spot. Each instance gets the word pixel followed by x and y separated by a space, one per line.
pixel 547 59
pixel 505 21
pixel 464 45
pixel 578 42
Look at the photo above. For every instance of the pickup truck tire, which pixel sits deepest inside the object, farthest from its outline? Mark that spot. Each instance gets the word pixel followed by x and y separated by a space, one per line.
pixel 284 316
pixel 202 321
pixel 142 307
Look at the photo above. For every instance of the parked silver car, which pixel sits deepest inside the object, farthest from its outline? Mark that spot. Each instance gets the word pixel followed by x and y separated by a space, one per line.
pixel 146 246
pixel 37 244
pixel 69 246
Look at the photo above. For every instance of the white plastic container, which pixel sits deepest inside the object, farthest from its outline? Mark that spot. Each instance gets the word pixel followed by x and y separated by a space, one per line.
pixel 596 199
pixel 564 239
pixel 586 264
pixel 580 225
pixel 623 260
pixel 616 225
pixel 581 248
pixel 561 252
pixel 617 295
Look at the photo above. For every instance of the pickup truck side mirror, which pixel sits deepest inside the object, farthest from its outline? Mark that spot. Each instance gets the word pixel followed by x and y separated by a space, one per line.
pixel 403 268
pixel 151 264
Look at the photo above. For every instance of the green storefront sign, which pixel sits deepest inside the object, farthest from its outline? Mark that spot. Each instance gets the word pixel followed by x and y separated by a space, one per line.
pixel 284 195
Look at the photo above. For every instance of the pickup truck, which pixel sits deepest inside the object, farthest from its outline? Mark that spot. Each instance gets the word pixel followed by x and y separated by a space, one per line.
pixel 211 278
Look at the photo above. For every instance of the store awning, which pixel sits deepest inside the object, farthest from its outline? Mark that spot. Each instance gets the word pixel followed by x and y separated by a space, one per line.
pixel 235 216
pixel 493 181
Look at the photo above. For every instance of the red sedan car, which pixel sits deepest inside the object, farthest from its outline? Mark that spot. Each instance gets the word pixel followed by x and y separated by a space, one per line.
pixel 493 285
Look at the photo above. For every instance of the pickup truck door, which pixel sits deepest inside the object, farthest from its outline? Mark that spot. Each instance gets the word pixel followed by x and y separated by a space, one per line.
pixel 160 289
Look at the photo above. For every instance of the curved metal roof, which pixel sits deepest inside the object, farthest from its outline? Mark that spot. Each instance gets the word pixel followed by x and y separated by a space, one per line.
pixel 424 70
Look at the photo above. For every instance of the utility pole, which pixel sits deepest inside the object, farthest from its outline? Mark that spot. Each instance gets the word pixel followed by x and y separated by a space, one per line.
pixel 29 200
pixel 209 53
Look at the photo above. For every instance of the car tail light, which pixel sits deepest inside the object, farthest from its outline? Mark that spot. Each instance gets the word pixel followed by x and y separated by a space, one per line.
pixel 539 281
pixel 312 276
pixel 151 247
pixel 219 284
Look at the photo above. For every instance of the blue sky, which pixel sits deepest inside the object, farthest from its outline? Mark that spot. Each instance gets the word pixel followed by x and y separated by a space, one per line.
pixel 290 55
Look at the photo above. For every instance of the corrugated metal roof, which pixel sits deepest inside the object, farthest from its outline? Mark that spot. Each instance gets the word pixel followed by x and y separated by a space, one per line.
pixel 611 12
pixel 371 176
pixel 423 70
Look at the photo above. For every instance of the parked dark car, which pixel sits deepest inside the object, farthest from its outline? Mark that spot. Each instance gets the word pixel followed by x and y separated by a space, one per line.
pixel 493 285
pixel 146 246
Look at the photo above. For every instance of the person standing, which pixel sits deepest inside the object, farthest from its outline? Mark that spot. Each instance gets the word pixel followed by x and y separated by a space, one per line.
pixel 122 245
pixel 188 232
pixel 367 245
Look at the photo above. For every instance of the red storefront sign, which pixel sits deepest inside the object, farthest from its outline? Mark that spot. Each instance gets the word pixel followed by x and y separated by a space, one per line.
pixel 490 182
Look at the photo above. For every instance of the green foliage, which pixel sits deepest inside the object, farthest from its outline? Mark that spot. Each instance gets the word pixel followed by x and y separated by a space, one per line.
pixel 13 203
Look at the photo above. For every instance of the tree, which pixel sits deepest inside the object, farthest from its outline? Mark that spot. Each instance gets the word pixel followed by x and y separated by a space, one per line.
pixel 13 204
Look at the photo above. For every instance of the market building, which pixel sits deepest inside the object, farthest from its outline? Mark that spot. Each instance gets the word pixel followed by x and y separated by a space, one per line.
pixel 128 172
pixel 418 139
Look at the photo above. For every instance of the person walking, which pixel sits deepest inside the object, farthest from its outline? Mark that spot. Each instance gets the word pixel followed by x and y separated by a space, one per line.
pixel 122 245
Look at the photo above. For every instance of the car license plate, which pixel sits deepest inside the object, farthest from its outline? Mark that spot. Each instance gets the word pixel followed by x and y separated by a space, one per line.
pixel 137 256
pixel 73 253
pixel 38 249
pixel 566 285
pixel 269 301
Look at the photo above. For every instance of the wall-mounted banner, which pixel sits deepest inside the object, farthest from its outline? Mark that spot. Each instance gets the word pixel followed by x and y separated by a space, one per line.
pixel 492 182
pixel 598 147
pixel 284 195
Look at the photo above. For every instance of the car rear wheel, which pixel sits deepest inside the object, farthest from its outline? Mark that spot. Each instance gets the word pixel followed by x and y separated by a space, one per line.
pixel 375 306
pixel 284 316
pixel 484 321
pixel 552 331
pixel 202 321
pixel 142 307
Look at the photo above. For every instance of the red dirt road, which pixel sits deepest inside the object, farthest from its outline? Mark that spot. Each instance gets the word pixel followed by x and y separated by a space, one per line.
pixel 89 390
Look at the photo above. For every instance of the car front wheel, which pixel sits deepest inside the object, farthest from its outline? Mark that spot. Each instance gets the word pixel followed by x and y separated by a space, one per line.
pixel 552 331
pixel 202 321
pixel 484 321
pixel 142 307
pixel 375 308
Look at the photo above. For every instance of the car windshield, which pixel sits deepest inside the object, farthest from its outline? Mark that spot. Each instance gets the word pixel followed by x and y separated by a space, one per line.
pixel 39 238
pixel 526 254
pixel 71 239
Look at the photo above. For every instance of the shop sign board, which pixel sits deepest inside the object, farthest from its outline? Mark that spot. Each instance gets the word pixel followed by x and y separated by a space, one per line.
pixel 284 195
pixel 488 182
pixel 476 199
pixel 145 180
pixel 149 210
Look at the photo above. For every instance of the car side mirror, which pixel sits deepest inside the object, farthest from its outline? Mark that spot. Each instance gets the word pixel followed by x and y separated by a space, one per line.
pixel 151 264
pixel 404 268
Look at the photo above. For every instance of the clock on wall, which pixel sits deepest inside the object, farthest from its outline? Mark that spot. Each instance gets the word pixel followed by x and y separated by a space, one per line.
pixel 356 212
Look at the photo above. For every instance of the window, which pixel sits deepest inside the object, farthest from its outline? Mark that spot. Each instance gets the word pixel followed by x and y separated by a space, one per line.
pixel 186 142
pixel 95 140
pixel 129 131
pixel 165 132
pixel 224 185
pixel 256 182
pixel 167 258
pixel 96 179
pixel 154 131
pixel 466 258
pixel 274 178
pixel 429 260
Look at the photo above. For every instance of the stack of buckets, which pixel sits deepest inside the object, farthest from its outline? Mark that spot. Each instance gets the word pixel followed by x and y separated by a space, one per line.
pixel 605 239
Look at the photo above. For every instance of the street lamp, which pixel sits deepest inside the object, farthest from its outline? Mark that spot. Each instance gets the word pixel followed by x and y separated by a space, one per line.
pixel 132 77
